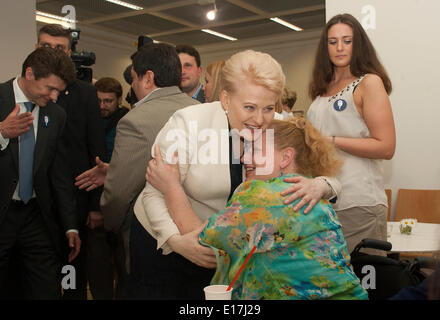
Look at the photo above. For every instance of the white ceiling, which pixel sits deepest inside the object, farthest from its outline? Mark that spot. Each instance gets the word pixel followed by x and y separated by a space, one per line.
pixel 180 21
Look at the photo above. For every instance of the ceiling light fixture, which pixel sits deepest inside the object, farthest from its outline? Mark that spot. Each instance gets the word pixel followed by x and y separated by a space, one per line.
pixel 286 24
pixel 218 34
pixel 51 18
pixel 125 4
pixel 212 13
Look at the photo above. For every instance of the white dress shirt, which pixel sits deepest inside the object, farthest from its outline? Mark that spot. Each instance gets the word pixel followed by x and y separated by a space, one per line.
pixel 20 99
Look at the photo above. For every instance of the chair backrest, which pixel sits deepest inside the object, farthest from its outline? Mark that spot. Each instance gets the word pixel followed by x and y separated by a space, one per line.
pixel 388 193
pixel 423 205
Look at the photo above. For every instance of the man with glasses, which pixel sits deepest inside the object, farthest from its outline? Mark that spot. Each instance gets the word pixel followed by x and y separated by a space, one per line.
pixel 109 92
pixel 105 249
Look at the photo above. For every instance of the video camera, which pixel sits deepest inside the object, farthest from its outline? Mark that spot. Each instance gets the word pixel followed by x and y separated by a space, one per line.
pixel 81 59
pixel 131 96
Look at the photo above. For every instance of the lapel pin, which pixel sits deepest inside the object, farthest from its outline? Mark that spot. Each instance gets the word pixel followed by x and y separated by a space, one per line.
pixel 46 121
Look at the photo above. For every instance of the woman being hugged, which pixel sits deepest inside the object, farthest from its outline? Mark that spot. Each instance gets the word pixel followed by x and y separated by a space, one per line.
pixel 296 255
pixel 350 89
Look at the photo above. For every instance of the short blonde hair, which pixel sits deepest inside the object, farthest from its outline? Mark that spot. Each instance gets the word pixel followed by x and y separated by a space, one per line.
pixel 314 155
pixel 215 71
pixel 259 67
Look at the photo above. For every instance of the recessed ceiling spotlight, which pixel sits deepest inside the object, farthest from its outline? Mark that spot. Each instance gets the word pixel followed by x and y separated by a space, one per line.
pixel 212 13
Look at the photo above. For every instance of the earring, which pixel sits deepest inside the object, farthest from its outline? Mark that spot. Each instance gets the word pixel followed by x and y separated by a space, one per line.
pixel 226 112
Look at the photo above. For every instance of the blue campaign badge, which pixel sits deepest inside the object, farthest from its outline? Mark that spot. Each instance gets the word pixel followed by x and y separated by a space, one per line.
pixel 340 105
pixel 46 121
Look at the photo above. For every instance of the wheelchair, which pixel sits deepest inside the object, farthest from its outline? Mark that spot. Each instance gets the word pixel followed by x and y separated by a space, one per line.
pixel 384 277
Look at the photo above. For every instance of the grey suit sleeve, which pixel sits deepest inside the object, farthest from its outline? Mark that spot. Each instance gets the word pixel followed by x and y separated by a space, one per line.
pixel 126 173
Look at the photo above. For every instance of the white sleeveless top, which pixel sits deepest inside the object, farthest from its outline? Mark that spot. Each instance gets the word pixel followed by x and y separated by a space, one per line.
pixel 361 178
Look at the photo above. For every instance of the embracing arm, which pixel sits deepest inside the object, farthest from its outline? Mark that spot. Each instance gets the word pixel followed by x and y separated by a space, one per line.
pixel 181 211
pixel 310 191
pixel 172 137
pixel 378 116
pixel 151 207
pixel 166 178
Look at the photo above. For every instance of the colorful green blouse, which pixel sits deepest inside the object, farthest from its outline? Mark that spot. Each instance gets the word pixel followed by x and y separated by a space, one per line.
pixel 297 256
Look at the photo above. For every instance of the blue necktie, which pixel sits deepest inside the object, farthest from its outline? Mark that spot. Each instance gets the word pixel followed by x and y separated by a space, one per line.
pixel 26 160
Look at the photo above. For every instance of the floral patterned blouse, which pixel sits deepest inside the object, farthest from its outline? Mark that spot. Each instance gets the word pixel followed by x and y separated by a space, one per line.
pixel 297 256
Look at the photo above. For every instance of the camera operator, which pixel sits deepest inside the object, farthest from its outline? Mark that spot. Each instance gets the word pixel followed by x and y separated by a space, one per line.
pixel 84 138
pixel 131 96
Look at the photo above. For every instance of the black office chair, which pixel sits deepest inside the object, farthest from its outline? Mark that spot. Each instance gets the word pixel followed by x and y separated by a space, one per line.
pixel 384 276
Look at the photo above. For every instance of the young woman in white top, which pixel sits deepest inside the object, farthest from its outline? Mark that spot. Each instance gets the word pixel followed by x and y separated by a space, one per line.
pixel 350 89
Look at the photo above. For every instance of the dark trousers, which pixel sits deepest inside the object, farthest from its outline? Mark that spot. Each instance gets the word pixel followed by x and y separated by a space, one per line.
pixel 154 276
pixel 105 260
pixel 37 265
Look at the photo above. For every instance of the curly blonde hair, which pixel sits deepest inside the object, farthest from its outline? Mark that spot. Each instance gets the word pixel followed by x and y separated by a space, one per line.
pixel 314 155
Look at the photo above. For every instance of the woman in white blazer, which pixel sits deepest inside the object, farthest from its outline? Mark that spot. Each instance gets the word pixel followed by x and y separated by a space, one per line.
pixel 209 139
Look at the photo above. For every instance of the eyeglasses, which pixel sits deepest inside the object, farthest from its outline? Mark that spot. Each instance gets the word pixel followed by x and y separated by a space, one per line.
pixel 106 101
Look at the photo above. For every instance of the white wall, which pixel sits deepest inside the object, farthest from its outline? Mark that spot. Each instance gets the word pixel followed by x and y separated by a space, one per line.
pixel 294 51
pixel 17 34
pixel 406 40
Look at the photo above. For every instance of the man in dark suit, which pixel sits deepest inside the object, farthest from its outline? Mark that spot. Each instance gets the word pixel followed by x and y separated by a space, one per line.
pixel 36 192
pixel 84 137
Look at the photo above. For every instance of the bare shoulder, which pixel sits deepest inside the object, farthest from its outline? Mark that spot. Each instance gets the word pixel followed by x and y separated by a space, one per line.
pixel 371 82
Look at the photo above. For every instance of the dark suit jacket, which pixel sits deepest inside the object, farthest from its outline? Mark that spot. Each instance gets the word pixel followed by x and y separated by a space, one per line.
pixel 84 138
pixel 201 96
pixel 52 178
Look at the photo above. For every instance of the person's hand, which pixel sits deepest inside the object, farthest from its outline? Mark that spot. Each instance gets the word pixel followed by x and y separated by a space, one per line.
pixel 190 248
pixel 95 219
pixel 161 175
pixel 309 190
pixel 92 178
pixel 15 125
pixel 74 245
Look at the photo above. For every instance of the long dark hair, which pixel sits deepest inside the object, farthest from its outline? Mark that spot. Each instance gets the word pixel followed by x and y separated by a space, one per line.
pixel 364 58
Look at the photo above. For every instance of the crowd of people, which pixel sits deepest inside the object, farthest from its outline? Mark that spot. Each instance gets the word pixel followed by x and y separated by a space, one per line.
pixel 162 198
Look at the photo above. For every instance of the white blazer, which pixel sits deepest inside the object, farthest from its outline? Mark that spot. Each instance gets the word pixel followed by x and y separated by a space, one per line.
pixel 202 135
pixel 201 132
